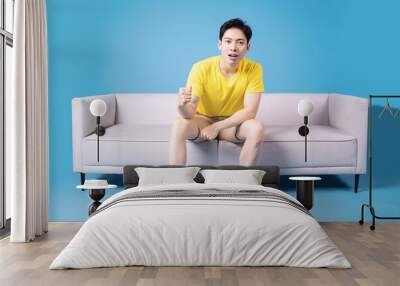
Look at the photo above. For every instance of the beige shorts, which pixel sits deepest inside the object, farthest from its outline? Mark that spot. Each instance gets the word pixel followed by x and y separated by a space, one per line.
pixel 212 120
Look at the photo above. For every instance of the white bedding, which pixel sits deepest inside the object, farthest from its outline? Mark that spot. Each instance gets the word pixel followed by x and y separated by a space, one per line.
pixel 200 231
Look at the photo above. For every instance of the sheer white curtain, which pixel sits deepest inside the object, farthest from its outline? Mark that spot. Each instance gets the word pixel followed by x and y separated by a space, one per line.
pixel 27 151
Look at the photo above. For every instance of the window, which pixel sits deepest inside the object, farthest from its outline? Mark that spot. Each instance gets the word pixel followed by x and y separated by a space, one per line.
pixel 6 60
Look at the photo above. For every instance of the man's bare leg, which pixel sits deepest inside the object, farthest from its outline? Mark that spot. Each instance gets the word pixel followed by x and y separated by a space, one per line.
pixel 181 130
pixel 252 132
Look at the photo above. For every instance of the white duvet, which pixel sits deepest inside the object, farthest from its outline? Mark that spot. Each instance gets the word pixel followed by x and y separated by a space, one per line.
pixel 200 231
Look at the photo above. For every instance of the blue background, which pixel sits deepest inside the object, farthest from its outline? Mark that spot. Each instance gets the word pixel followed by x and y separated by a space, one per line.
pixel 344 46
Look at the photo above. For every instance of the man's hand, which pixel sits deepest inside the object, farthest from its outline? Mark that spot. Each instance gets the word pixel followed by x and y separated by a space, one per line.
pixel 209 133
pixel 185 96
pixel 187 104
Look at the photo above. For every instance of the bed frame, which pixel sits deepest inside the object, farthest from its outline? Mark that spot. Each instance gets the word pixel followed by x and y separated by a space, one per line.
pixel 270 179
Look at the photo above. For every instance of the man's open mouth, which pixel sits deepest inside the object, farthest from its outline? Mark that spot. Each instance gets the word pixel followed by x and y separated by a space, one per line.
pixel 233 56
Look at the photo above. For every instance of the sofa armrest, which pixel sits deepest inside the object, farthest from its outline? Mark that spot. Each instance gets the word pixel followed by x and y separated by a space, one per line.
pixel 84 123
pixel 350 114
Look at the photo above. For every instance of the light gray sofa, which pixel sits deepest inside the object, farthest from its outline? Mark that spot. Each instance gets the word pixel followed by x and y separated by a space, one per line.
pixel 137 131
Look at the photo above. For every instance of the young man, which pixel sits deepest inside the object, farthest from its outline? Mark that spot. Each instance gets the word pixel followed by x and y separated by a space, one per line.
pixel 221 98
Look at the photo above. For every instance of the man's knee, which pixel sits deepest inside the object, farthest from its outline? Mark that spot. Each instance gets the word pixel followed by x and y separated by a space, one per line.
pixel 182 127
pixel 255 130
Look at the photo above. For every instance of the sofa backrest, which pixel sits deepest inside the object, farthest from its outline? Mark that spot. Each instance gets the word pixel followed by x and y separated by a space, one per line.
pixel 281 108
pixel 275 108
pixel 146 108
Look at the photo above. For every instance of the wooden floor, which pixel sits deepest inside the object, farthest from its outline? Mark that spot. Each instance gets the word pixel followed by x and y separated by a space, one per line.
pixel 374 255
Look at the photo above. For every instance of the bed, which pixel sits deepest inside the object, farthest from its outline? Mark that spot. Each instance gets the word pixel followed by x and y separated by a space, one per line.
pixel 201 224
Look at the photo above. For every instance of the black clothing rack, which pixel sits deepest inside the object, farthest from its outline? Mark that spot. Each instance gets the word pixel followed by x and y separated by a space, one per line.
pixel 370 134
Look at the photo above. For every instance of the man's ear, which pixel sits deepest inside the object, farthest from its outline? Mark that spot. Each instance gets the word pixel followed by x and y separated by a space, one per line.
pixel 248 47
pixel 219 45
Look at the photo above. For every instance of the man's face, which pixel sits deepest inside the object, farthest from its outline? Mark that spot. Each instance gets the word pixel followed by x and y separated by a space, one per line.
pixel 233 46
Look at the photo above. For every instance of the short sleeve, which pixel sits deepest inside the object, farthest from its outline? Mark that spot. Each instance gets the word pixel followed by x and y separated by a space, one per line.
pixel 255 80
pixel 195 80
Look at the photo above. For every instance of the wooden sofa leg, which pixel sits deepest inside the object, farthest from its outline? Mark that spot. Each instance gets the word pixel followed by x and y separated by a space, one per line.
pixel 356 180
pixel 82 178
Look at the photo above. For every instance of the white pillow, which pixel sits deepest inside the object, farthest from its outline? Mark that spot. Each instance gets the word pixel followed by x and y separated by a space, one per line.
pixel 163 176
pixel 249 177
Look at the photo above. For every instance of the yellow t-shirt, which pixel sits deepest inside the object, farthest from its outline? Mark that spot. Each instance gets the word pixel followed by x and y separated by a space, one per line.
pixel 220 96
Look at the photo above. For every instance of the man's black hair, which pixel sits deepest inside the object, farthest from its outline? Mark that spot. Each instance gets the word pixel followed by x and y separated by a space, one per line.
pixel 236 23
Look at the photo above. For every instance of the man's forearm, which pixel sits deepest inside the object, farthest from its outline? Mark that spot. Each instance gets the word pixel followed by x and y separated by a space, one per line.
pixel 187 111
pixel 236 119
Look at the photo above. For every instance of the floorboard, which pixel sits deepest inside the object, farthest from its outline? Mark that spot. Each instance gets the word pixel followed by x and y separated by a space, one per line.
pixel 374 255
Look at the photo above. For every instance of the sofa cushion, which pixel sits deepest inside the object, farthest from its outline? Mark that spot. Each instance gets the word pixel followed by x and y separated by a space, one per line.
pixel 135 133
pixel 148 144
pixel 141 144
pixel 317 133
pixel 283 146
